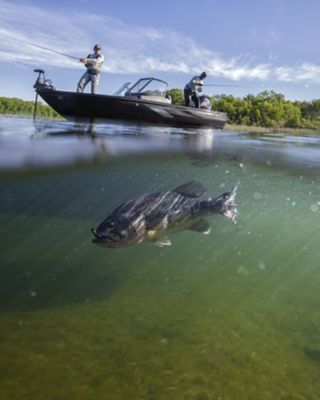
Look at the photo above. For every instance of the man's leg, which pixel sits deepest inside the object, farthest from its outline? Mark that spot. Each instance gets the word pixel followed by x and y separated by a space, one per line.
pixel 195 99
pixel 186 93
pixel 94 83
pixel 83 82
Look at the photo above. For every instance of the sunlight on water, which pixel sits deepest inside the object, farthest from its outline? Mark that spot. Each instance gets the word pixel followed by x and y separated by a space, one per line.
pixel 232 315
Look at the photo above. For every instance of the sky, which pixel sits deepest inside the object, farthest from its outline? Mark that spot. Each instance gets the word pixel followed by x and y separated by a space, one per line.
pixel 247 45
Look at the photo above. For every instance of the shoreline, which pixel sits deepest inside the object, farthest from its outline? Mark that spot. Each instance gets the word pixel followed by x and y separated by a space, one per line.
pixel 262 129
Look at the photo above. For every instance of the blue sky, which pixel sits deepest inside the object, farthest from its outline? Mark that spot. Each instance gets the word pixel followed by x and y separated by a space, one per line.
pixel 255 45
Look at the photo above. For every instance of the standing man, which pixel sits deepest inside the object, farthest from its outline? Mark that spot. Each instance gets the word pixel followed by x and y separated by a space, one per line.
pixel 191 89
pixel 93 62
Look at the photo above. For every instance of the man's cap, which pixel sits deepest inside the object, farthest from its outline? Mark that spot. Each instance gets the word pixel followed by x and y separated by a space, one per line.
pixel 97 47
pixel 203 74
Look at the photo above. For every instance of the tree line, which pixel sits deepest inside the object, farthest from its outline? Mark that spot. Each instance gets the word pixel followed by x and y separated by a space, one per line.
pixel 267 109
pixel 14 106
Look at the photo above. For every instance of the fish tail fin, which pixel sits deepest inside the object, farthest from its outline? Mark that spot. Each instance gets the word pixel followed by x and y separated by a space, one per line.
pixel 225 204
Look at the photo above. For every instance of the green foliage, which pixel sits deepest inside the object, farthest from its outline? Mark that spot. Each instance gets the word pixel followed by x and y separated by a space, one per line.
pixel 177 96
pixel 268 109
pixel 14 106
pixel 310 110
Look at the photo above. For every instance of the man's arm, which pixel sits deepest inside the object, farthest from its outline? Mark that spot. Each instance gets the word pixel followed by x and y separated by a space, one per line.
pixel 94 61
pixel 199 85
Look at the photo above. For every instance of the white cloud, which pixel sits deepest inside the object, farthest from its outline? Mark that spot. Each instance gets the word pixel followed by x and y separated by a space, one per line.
pixel 301 73
pixel 128 49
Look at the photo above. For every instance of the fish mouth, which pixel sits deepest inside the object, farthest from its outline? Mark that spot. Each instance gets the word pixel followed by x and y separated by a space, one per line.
pixel 94 232
pixel 102 240
pixel 98 237
pixel 104 243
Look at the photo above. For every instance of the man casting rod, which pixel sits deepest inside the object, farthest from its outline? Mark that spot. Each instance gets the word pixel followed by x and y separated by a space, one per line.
pixel 76 58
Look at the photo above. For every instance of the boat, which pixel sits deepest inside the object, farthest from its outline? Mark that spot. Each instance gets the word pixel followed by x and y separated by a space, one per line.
pixel 146 101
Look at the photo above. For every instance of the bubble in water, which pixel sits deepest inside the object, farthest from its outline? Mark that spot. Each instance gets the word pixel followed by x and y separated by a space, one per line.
pixel 262 266
pixel 257 195
pixel 314 208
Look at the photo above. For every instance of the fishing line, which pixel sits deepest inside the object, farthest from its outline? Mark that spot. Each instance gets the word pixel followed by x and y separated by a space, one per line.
pixel 45 48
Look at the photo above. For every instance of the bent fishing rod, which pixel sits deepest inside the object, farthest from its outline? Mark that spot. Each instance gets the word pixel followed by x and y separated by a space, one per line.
pixel 46 48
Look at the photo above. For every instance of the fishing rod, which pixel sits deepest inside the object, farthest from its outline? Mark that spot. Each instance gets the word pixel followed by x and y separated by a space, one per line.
pixel 225 85
pixel 46 48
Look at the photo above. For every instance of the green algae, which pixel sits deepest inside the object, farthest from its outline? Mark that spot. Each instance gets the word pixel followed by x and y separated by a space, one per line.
pixel 147 351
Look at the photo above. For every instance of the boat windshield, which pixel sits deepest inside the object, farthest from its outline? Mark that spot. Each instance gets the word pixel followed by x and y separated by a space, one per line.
pixel 148 87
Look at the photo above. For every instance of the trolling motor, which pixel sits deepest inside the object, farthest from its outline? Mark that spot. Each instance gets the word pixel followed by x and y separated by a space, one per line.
pixel 40 80
pixel 40 83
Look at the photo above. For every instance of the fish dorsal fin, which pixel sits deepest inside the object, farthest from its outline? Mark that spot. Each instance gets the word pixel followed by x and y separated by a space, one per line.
pixel 192 189
pixel 201 226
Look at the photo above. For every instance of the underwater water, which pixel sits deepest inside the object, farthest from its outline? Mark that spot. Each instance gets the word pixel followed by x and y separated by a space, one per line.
pixel 232 315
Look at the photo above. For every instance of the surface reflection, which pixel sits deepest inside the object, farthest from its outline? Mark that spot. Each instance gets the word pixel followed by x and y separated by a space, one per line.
pixel 33 145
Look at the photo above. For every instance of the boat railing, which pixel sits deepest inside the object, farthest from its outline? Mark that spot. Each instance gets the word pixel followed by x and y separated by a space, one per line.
pixel 124 87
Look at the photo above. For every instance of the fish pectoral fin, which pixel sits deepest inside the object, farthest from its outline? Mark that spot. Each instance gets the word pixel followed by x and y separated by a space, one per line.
pixel 161 241
pixel 191 189
pixel 201 227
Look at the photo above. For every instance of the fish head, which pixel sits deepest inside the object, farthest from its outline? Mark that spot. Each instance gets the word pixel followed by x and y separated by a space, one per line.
pixel 122 231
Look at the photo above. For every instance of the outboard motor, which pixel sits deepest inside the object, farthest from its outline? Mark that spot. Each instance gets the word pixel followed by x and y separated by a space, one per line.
pixel 205 103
